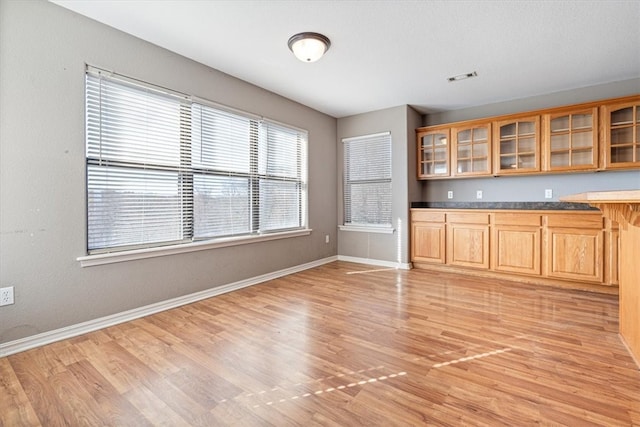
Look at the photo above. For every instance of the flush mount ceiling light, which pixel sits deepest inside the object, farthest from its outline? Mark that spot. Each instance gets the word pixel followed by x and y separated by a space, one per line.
pixel 462 76
pixel 309 47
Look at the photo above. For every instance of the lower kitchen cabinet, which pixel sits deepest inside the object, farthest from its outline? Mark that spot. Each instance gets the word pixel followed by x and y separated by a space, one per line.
pixel 554 247
pixel 468 240
pixel 575 247
pixel 516 243
pixel 428 236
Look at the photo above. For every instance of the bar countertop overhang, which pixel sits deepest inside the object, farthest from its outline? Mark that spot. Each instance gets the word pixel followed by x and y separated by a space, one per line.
pixel 598 197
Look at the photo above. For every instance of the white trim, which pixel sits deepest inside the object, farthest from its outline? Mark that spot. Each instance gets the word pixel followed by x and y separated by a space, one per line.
pixel 112 257
pixel 49 337
pixel 378 262
pixel 387 229
pixel 373 135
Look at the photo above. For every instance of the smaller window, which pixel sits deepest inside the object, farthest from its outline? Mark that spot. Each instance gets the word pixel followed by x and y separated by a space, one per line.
pixel 367 181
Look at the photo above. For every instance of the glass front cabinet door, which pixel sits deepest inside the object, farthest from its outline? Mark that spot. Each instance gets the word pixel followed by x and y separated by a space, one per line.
pixel 433 153
pixel 517 145
pixel 571 140
pixel 621 134
pixel 471 152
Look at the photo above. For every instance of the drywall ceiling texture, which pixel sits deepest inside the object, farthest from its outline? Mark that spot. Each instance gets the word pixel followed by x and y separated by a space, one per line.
pixel 43 51
pixel 386 53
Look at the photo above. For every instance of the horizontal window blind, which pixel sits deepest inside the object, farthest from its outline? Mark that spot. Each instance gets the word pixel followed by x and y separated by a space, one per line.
pixel 367 180
pixel 222 162
pixel 163 169
pixel 282 185
pixel 135 193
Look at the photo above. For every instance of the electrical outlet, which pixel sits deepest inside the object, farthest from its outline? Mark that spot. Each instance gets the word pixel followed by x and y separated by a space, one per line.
pixel 6 296
pixel 449 194
pixel 548 193
pixel 479 194
pixel 326 238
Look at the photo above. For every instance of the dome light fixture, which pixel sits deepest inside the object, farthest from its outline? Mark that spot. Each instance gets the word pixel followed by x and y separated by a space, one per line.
pixel 309 47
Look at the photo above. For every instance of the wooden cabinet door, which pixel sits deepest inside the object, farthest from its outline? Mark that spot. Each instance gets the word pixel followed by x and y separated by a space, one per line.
pixel 468 240
pixel 433 153
pixel 570 140
pixel 575 253
pixel 428 242
pixel 516 243
pixel 621 135
pixel 517 145
pixel 471 150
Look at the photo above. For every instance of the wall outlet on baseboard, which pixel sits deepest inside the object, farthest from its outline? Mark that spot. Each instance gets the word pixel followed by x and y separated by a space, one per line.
pixel 6 296
pixel 326 238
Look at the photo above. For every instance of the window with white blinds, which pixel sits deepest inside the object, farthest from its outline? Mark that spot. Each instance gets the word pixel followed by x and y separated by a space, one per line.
pixel 163 169
pixel 367 180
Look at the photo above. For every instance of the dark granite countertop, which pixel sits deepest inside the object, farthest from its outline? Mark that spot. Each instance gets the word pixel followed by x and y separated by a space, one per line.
pixel 534 206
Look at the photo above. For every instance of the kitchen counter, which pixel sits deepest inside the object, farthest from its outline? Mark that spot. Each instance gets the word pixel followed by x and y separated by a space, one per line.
pixel 534 206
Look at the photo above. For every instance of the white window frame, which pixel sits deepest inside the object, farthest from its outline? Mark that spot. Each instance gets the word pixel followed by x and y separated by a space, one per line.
pixel 387 227
pixel 189 242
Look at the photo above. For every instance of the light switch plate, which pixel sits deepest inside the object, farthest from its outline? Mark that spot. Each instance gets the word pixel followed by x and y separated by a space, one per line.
pixel 479 194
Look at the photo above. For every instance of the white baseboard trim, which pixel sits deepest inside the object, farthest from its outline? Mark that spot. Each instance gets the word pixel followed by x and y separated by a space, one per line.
pixel 71 331
pixel 378 262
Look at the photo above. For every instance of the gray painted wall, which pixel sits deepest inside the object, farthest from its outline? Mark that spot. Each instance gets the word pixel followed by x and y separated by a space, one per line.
pixel 401 122
pixel 531 188
pixel 43 51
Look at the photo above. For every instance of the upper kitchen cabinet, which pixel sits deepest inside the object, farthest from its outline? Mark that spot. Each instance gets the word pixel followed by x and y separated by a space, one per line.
pixel 591 136
pixel 471 149
pixel 570 140
pixel 621 134
pixel 517 145
pixel 433 152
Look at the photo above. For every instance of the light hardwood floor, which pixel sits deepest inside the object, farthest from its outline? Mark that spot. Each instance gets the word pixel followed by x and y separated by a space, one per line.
pixel 342 344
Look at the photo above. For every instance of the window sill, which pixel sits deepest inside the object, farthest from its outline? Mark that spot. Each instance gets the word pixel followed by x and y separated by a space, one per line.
pixel 113 257
pixel 384 229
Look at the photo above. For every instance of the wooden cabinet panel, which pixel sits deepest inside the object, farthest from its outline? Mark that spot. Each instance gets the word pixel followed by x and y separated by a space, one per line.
pixel 468 245
pixel 468 218
pixel 516 243
pixel 580 220
pixel 575 253
pixel 612 249
pixel 418 215
pixel 428 242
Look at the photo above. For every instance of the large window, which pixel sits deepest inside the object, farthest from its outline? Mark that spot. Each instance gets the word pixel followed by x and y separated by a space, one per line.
pixel 367 182
pixel 163 169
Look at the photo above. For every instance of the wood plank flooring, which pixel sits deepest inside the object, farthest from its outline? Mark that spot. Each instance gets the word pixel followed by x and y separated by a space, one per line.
pixel 341 345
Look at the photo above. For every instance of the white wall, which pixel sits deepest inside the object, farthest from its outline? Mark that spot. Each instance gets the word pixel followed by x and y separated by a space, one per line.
pixel 43 51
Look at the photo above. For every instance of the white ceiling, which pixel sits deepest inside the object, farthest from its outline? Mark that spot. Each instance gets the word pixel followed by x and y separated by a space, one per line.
pixel 390 53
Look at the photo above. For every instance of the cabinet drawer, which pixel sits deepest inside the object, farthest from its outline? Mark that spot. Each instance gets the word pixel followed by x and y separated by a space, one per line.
pixel 426 216
pixel 507 218
pixel 468 218
pixel 575 221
